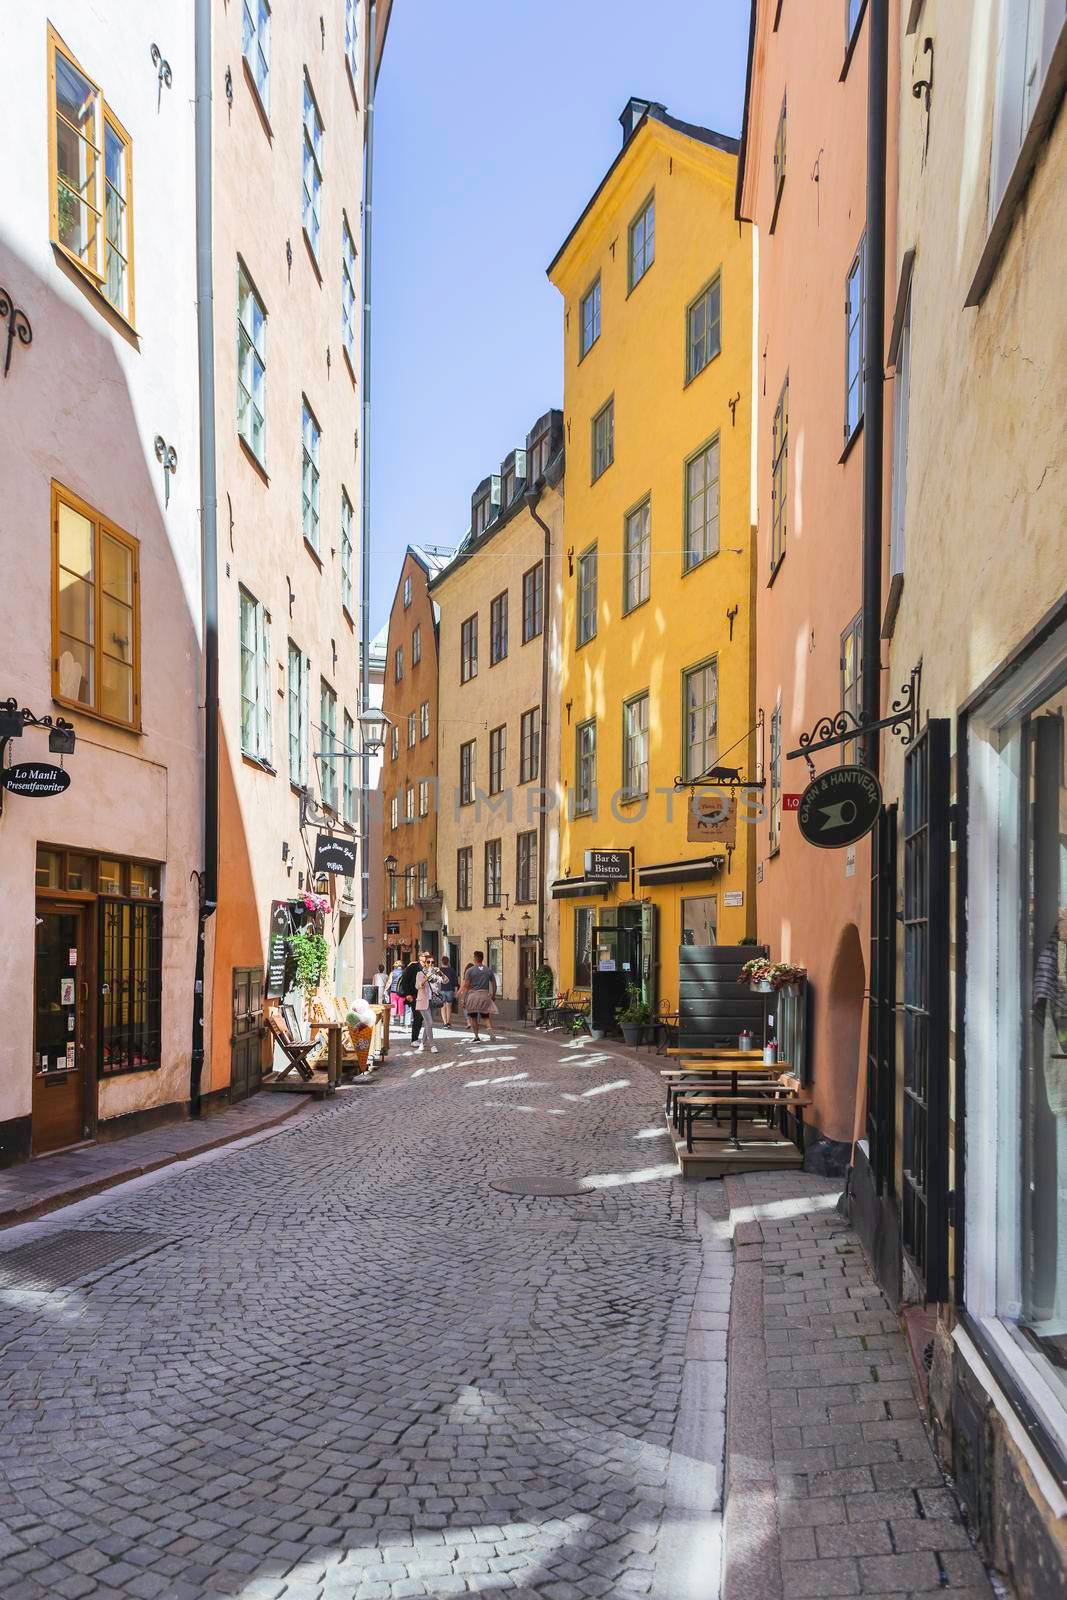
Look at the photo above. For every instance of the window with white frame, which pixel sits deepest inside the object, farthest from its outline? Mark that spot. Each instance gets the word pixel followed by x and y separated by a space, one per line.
pixel 394 891
pixel 587 596
pixel 328 737
pixel 468 649
pixel 407 593
pixel 464 874
pixel 585 767
pixel 256 735
pixel 493 873
pixel 299 670
pixel 409 803
pixel 702 505
pixel 424 720
pixel 498 628
pixel 348 599
pixel 498 754
pixel 312 210
pixel 589 320
pixel 394 813
pixel 424 880
pixel 700 702
pixel 466 773
pixel 413 729
pixel 251 367
pixel 703 328
pixel 255 46
pixel 642 242
pixel 526 867
pixel 348 786
pixel 635 746
pixel 603 446
pixel 855 305
pixel 775 809
pixel 349 302
pixel 424 797
pixel 395 741
pixel 398 663
pixel 352 39
pixel 1029 33
pixel 780 477
pixel 901 398
pixel 533 602
pixel 409 886
pixel 637 556
pixel 311 437
pixel 530 745
pixel 416 644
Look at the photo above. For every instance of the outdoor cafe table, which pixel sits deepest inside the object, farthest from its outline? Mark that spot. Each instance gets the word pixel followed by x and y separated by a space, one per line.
pixel 717 1052
pixel 702 1068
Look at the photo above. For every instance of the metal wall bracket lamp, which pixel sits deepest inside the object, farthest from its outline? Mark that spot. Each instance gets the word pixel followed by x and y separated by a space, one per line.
pixel 166 454
pixel 163 69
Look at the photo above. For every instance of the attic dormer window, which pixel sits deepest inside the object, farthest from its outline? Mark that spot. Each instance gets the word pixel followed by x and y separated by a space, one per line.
pixel 507 487
pixel 539 456
pixel 482 514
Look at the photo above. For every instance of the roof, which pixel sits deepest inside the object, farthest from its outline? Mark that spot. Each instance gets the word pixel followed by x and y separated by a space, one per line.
pixel 433 558
pixel 471 545
pixel 743 152
pixel 655 113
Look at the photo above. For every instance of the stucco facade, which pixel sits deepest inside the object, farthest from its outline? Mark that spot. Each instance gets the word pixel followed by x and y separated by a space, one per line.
pixel 502 811
pixel 83 404
pixel 656 670
pixel 803 185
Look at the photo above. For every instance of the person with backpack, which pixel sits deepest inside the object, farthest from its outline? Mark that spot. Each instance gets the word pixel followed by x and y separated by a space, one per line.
pixel 396 999
pixel 426 996
pixel 407 989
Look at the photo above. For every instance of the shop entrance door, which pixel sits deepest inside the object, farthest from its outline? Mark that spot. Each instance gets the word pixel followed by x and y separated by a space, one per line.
pixel 527 968
pixel 616 964
pixel 246 1047
pixel 61 1108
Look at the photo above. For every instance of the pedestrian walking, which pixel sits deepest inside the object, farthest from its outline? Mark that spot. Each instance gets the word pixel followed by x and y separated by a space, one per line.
pixel 448 990
pixel 408 991
pixel 396 999
pixel 479 995
pixel 381 985
pixel 422 1014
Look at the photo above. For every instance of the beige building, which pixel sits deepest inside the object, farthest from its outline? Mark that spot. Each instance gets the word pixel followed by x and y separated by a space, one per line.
pixel 961 1180
pixel 498 720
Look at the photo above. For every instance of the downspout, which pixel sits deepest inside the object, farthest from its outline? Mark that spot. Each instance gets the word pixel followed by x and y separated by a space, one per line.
pixel 364 580
pixel 873 376
pixel 205 323
pixel 532 497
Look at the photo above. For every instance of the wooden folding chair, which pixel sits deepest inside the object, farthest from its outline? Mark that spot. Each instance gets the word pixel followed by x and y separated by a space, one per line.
pixel 296 1050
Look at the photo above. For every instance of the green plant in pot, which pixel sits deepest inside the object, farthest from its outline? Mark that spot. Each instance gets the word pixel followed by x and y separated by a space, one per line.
pixel 544 990
pixel 309 953
pixel 634 1015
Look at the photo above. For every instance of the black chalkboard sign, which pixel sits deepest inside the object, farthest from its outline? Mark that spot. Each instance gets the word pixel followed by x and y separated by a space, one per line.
pixel 335 853
pixel 281 926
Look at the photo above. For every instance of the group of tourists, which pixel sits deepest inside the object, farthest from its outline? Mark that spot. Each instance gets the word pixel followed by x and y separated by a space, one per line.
pixel 423 986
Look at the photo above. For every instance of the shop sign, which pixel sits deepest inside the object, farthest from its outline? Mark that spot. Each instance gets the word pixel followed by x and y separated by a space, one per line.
pixel 734 897
pixel 277 949
pixel 335 853
pixel 839 807
pixel 610 866
pixel 712 816
pixel 36 779
pixel 790 802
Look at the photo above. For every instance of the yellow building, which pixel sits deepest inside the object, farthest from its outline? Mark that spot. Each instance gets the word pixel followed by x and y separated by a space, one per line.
pixel 657 644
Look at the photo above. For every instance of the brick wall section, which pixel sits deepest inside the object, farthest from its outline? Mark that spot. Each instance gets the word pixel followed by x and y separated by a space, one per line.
pixel 832 1487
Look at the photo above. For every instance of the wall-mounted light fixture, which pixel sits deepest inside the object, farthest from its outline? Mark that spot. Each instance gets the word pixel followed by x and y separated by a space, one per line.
pixel 167 454
pixel 163 69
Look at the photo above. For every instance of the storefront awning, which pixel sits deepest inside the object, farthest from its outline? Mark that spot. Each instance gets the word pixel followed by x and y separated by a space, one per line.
pixel 681 871
pixel 569 888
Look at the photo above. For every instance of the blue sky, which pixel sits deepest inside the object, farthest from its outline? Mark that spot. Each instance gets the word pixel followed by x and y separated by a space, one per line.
pixel 495 121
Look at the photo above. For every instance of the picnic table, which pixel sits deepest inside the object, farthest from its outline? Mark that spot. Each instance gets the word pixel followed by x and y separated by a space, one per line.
pixel 696 1070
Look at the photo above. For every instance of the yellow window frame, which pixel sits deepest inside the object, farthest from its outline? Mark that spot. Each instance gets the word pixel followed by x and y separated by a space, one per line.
pixel 108 119
pixel 101 525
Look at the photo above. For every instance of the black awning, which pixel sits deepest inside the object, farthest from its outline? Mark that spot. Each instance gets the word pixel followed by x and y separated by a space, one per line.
pixel 681 871
pixel 569 888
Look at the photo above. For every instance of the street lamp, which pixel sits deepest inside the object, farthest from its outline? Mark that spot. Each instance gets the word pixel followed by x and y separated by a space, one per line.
pixel 390 865
pixel 374 727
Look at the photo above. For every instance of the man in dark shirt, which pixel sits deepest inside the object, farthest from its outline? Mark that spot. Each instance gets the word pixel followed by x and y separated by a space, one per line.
pixel 407 987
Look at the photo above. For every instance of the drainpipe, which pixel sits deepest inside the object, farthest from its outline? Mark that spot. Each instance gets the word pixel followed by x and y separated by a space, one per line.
pixel 532 497
pixel 205 323
pixel 873 376
pixel 364 581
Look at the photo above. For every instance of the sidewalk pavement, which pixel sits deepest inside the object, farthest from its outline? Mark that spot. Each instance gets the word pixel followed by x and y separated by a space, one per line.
pixel 832 1486
pixel 34 1187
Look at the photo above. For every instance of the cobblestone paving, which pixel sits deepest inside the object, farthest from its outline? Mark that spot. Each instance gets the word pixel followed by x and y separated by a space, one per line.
pixel 350 1368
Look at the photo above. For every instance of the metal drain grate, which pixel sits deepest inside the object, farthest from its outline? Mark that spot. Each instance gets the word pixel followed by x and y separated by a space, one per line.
pixel 537 1183
pixel 64 1259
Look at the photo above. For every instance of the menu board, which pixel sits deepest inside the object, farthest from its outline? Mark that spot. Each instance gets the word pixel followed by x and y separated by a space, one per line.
pixel 281 926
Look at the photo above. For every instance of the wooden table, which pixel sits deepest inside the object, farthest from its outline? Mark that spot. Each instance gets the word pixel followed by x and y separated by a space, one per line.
pixel 333 1031
pixel 716 1052
pixel 713 1069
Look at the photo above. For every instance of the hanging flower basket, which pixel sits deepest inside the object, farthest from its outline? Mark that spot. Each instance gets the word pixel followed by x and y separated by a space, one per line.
pixel 772 977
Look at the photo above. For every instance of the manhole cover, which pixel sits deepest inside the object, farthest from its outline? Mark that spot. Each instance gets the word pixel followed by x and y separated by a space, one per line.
pixel 65 1258
pixel 537 1183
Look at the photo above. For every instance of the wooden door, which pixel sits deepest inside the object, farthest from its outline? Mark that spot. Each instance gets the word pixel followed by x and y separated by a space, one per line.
pixel 527 968
pixel 62 1056
pixel 246 1043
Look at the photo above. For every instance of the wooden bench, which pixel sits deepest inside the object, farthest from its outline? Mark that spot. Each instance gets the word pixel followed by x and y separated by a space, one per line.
pixel 779 1098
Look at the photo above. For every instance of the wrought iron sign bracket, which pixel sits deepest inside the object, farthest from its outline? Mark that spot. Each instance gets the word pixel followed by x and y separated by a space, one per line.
pixel 731 779
pixel 18 325
pixel 903 720
pixel 14 719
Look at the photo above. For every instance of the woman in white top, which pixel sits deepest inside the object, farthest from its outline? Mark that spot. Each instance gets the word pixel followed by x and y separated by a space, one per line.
pixel 424 1000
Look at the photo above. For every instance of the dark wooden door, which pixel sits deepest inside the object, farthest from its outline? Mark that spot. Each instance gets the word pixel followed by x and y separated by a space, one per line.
pixel 246 1041
pixel 527 968
pixel 61 1113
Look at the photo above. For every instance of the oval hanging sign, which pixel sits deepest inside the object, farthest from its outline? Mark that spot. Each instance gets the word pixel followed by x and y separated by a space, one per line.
pixel 839 807
pixel 35 779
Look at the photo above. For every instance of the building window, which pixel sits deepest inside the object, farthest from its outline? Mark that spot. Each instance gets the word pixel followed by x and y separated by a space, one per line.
pixel 585 767
pixel 1029 32
pixel 349 303
pixel 395 741
pixel 424 797
pixel 328 735
pixel 424 720
pixel 416 644
pixel 348 788
pixel 409 803
pixel 635 747
pixel 539 456
pixel 533 602
pixel 91 181
pixel 775 833
pixel 603 439
pixel 530 745
pixel 468 649
pixel 96 623
pixel 131 986
pixel 642 242
pixel 780 477
pixel 394 813
pixel 312 169
pixel 311 437
pixel 699 920
pixel 466 773
pixel 583 946
pixel 255 46
pixel 637 556
pixel 424 881
pixel 407 593
pixel 702 505
pixel 587 596
pixel 409 886
pixel 589 320
pixel 703 328
pixel 700 698
pixel 394 891
pixel 901 399
pixel 526 867
pixel 853 13
pixel 398 663
pixel 464 874
pixel 347 590
pixel 492 872
pixel 507 487
pixel 413 725
pixel 256 739
pixel 299 672
pixel 498 755
pixel 851 677
pixel 779 166
pixel 498 628
pixel 855 301
pixel 251 367
pixel 352 39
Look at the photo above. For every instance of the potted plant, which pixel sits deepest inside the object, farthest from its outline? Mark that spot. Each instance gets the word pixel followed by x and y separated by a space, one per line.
pixel 544 990
pixel 753 974
pixel 634 1015
pixel 771 977
pixel 310 954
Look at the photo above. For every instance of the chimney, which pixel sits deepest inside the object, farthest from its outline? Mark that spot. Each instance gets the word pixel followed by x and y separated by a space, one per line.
pixel 632 113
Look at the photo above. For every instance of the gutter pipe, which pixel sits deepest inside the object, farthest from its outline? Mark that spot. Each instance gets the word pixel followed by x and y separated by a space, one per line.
pixel 364 582
pixel 205 323
pixel 873 376
pixel 532 497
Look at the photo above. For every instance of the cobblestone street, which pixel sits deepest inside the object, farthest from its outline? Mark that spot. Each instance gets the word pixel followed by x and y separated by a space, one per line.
pixel 340 1362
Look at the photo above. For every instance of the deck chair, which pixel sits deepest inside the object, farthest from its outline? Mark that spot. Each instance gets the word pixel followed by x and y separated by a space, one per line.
pixel 284 1027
